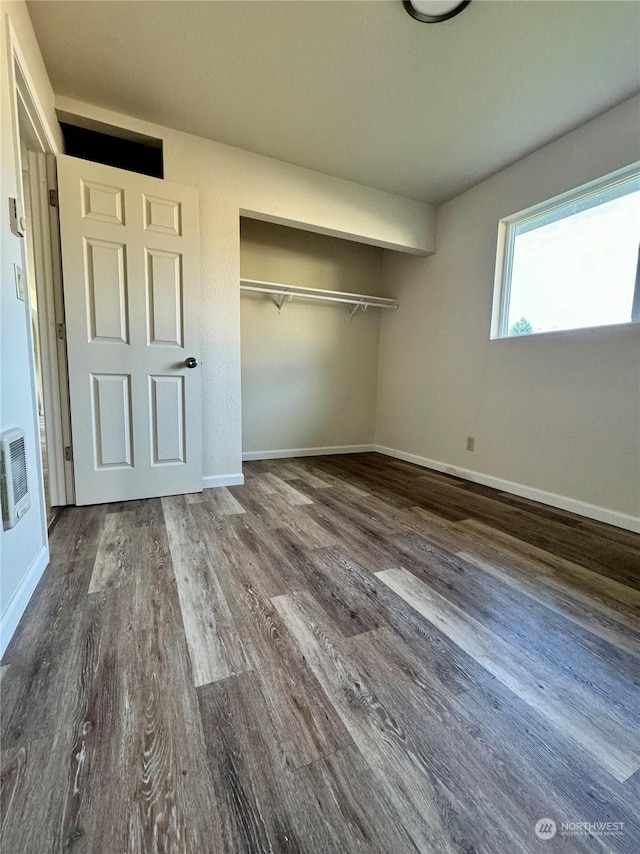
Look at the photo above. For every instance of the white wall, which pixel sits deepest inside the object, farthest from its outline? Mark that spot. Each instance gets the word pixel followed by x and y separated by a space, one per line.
pixel 558 412
pixel 309 372
pixel 23 550
pixel 231 182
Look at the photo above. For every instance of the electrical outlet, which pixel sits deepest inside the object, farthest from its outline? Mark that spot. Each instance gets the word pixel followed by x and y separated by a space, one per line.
pixel 471 443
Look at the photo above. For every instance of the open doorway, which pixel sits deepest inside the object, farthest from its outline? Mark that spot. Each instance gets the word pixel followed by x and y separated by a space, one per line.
pixel 42 272
pixel 36 319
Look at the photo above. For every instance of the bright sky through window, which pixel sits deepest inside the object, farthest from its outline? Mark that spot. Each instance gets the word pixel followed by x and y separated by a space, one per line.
pixel 575 265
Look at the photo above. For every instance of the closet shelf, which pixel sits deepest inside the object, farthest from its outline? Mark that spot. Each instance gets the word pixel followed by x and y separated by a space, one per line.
pixel 284 293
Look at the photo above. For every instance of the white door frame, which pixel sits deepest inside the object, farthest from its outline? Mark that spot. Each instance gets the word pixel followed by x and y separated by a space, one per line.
pixel 53 355
pixel 30 123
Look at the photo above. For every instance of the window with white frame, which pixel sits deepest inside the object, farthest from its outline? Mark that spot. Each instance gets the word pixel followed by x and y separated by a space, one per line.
pixel 571 262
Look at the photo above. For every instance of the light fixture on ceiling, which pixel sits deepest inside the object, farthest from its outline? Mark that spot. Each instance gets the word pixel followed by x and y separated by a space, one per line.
pixel 434 11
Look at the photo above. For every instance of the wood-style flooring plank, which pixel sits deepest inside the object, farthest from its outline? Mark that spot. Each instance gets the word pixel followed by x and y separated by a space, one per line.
pixel 538 750
pixel 38 651
pixel 613 743
pixel 318 472
pixel 116 552
pixel 562 571
pixel 343 585
pixel 275 484
pixel 325 573
pixel 355 812
pixel 458 503
pixel 368 547
pixel 146 511
pixel 223 502
pixel 252 796
pixel 136 775
pixel 485 782
pixel 577 654
pixel 294 470
pixel 604 556
pixel 361 516
pixel 38 810
pixel 247 538
pixel 266 807
pixel 617 628
pixel 387 749
pixel 276 513
pixel 12 773
pixel 194 497
pixel 215 646
pixel 172 806
pixel 333 714
pixel 306 723
pixel 609 532
pixel 367 478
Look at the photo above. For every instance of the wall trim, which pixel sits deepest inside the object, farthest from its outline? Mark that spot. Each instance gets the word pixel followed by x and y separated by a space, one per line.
pixel 20 599
pixel 562 502
pixel 212 481
pixel 308 452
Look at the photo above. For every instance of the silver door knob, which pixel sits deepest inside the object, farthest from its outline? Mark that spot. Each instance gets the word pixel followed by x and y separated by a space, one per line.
pixel 191 362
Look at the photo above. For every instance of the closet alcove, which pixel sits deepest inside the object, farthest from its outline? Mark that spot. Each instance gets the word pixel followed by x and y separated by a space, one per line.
pixel 309 366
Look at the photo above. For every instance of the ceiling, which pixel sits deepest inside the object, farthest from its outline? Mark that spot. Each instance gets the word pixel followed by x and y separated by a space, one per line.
pixel 356 88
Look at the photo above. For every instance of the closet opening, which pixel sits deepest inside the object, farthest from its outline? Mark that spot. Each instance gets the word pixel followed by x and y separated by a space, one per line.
pixel 311 308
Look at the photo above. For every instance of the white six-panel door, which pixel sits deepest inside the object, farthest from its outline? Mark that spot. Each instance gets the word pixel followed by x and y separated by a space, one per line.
pixel 131 289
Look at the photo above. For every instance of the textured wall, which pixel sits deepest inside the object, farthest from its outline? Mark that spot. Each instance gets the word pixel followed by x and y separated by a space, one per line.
pixel 229 182
pixel 558 412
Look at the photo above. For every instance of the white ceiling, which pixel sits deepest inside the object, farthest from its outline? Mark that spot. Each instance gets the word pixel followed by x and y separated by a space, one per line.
pixel 357 88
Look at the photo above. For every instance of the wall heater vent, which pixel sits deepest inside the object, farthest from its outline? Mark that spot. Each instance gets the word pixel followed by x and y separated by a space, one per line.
pixel 16 499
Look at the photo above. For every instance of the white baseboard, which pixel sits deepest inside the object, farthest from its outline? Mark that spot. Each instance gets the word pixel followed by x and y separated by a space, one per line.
pixel 307 452
pixel 211 481
pixel 18 604
pixel 582 508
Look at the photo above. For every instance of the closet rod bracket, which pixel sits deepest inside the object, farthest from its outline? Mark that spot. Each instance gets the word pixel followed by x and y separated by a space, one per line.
pixel 280 300
pixel 361 305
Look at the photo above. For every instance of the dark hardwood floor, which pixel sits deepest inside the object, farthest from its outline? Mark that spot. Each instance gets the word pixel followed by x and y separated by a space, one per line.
pixel 347 654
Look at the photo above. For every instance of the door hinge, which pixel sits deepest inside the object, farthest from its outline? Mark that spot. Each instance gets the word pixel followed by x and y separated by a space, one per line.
pixel 68 453
pixel 17 222
pixel 53 198
pixel 62 332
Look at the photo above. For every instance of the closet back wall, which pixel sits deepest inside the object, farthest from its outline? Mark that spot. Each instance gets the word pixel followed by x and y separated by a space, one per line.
pixel 309 373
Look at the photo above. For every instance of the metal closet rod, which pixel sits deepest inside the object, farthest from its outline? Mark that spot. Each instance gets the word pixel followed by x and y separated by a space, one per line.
pixel 290 291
